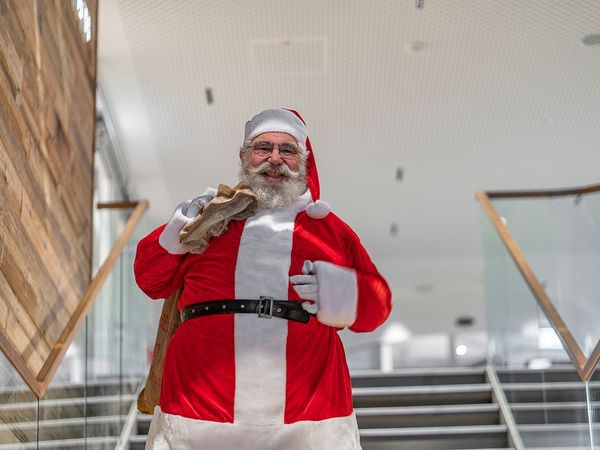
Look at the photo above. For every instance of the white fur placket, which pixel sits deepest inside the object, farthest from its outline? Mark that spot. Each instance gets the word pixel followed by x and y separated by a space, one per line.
pixel 262 268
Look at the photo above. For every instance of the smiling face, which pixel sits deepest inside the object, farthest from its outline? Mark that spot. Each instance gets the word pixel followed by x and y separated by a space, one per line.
pixel 277 156
pixel 274 167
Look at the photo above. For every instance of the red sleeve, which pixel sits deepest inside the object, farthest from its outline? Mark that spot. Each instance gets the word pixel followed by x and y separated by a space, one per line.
pixel 157 272
pixel 374 295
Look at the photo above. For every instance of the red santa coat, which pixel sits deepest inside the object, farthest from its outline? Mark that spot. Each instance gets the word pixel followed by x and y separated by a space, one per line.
pixel 254 383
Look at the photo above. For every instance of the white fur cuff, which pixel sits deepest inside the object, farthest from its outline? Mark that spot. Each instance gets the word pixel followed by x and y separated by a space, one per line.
pixel 169 238
pixel 338 294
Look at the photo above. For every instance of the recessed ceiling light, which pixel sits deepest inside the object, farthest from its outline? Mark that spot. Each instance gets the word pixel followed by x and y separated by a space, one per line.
pixel 461 349
pixel 591 39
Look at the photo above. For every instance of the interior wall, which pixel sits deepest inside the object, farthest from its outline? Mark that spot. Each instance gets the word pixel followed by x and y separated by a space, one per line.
pixel 47 119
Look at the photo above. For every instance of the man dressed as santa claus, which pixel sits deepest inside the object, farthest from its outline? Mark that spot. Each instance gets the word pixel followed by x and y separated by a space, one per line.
pixel 257 362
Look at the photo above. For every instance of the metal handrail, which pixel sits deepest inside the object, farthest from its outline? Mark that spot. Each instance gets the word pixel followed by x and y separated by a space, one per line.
pixel 544 193
pixel 584 366
pixel 505 411
pixel 123 443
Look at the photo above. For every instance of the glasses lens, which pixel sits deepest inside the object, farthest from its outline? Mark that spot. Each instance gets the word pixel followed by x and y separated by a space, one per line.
pixel 288 149
pixel 263 148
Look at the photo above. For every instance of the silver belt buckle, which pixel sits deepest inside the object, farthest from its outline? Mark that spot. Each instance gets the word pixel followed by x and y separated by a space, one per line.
pixel 264 301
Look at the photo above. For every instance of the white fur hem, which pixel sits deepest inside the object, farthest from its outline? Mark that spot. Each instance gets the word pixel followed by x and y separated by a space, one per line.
pixel 338 294
pixel 170 432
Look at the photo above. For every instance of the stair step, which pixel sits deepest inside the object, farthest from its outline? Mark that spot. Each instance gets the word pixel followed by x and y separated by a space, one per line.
pixel 427 416
pixel 421 395
pixel 562 435
pixel 92 443
pixel 94 388
pixel 143 423
pixel 66 408
pixel 547 392
pixel 63 428
pixel 137 442
pixel 555 374
pixel 434 438
pixel 418 377
pixel 556 412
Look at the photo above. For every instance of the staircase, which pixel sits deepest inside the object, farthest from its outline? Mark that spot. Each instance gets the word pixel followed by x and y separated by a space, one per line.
pixel 428 409
pixel 63 423
pixel 550 408
pixel 417 409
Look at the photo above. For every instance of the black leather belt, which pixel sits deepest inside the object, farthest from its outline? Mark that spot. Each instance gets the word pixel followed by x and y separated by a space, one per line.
pixel 265 307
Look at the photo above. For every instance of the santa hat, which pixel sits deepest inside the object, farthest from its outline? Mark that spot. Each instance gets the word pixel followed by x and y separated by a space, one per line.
pixel 289 121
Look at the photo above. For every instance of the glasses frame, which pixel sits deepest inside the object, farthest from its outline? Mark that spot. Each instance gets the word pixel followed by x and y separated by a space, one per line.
pixel 264 153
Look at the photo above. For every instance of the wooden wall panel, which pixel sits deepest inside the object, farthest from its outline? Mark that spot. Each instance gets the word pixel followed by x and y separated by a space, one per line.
pixel 47 119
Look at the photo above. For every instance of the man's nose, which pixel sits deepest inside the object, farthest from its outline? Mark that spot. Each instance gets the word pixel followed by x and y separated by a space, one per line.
pixel 275 157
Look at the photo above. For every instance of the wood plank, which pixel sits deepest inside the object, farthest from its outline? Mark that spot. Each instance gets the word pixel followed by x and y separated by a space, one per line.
pixel 22 28
pixel 22 223
pixel 29 279
pixel 20 331
pixel 63 245
pixel 55 216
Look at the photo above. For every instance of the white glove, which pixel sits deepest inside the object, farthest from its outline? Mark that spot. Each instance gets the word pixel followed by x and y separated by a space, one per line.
pixel 197 205
pixel 307 287
pixel 184 213
pixel 332 292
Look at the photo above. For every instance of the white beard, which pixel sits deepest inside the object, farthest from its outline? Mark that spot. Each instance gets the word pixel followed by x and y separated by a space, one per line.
pixel 278 194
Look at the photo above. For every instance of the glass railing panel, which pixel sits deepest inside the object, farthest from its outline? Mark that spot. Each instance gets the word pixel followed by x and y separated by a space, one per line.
pixel 140 319
pixel 116 356
pixel 94 387
pixel 548 400
pixel 560 239
pixel 18 407
pixel 519 334
pixel 594 408
pixel 62 409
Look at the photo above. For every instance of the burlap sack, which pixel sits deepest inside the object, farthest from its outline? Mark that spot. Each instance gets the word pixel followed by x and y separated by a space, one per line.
pixel 229 204
pixel 168 323
pixel 237 203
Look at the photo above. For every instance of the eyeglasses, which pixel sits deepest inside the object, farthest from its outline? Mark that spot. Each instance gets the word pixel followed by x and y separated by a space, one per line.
pixel 265 148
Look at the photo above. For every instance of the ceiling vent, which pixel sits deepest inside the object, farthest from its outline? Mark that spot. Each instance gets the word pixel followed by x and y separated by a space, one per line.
pixel 289 56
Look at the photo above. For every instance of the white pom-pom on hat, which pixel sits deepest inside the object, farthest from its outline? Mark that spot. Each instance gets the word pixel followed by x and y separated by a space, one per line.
pixel 318 209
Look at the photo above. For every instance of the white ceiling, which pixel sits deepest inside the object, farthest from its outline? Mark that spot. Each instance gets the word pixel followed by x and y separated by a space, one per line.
pixel 462 95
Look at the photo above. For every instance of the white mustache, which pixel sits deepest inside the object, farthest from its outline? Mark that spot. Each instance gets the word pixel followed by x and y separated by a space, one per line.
pixel 278 170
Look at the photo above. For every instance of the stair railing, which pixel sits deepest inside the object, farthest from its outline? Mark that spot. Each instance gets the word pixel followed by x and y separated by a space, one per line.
pixel 86 392
pixel 57 354
pixel 505 411
pixel 585 366
pixel 41 381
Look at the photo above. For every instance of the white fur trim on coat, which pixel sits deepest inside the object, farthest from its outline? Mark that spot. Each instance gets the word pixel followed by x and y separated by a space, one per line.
pixel 338 294
pixel 170 432
pixel 262 268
